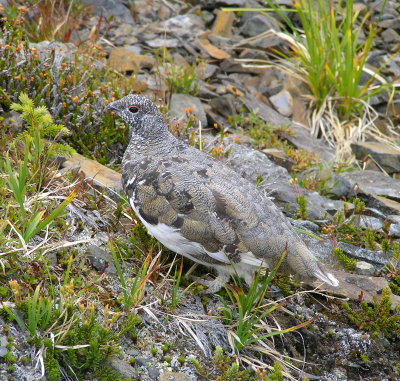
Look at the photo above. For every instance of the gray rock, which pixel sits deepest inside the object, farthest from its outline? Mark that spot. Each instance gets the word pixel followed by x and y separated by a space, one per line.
pixel 184 25
pixel 375 257
pixel 3 340
pixel 370 222
pixel 100 259
pixel 323 251
pixel 111 8
pixel 140 361
pixel 180 102
pixel 174 376
pixel 263 42
pixel 257 24
pixel 283 102
pixel 210 332
pixel 300 138
pixel 122 367
pixel 305 225
pixel 153 373
pixel 368 183
pixel 390 36
pixel 132 352
pixel 364 268
pixel 3 351
pixel 13 120
pixel 224 105
pixel 62 51
pixel 386 156
pixel 163 43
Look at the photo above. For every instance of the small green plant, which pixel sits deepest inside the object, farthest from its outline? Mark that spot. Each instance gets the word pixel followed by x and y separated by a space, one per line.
pixel 181 360
pixel 182 79
pixel 165 348
pixel 25 360
pixel 228 367
pixel 133 293
pixel 39 311
pixel 33 168
pixel 247 312
pixel 348 263
pixel 302 209
pixel 364 358
pixel 377 317
pixel 275 375
pixel 370 240
pixel 9 358
pixel 168 359
pixel 176 296
pixel 199 368
pixel 359 206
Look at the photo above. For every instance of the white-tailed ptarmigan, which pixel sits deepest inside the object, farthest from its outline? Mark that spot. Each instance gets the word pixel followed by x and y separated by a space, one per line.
pixel 202 209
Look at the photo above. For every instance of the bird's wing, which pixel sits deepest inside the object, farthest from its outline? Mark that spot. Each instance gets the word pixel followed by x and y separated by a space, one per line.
pixel 203 201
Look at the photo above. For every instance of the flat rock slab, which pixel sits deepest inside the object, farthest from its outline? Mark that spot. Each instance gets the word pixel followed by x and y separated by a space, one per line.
pixel 386 156
pixel 124 60
pixel 101 175
pixel 372 183
pixel 359 287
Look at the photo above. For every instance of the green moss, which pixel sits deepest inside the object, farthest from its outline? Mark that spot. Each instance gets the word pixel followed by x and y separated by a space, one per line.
pixel 395 285
pixel 165 348
pixel 181 360
pixel 3 291
pixel 364 358
pixel 53 372
pixel 276 374
pixel 9 358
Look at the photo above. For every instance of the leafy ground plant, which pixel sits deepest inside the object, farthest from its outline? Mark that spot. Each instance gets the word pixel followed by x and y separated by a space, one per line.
pixel 31 171
pixel 71 88
pixel 377 317
pixel 248 312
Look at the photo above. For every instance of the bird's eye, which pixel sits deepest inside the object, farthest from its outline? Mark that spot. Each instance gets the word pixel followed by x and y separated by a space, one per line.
pixel 133 109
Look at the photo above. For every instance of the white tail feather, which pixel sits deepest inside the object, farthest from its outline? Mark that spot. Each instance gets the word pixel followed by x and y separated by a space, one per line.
pixel 326 277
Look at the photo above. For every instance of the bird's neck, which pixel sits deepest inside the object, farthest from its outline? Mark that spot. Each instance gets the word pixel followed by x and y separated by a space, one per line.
pixel 157 141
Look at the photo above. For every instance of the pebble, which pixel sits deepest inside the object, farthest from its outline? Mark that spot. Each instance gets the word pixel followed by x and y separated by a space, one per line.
pixel 364 268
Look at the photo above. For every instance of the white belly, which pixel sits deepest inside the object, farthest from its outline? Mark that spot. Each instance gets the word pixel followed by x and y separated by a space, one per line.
pixel 171 238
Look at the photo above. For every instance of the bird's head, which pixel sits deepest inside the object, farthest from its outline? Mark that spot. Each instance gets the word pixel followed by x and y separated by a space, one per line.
pixel 139 112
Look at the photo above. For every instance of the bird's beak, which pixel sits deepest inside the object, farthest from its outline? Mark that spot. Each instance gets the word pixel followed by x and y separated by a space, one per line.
pixel 112 107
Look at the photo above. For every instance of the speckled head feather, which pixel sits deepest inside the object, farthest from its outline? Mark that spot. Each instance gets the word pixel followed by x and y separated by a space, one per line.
pixel 138 112
pixel 201 208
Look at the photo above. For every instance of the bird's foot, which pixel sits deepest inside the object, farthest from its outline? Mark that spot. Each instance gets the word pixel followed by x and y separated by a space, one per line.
pixel 212 286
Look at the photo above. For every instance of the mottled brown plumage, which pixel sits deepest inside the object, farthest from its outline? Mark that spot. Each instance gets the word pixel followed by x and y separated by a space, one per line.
pixel 201 208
